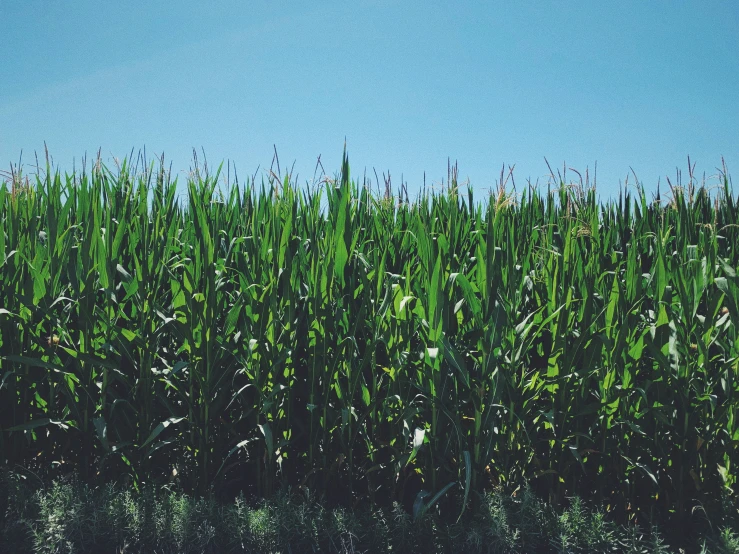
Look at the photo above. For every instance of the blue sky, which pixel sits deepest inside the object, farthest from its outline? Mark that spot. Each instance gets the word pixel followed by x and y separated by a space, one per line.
pixel 639 84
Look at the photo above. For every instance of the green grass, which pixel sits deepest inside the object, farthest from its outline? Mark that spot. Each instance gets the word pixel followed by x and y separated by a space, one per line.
pixel 374 351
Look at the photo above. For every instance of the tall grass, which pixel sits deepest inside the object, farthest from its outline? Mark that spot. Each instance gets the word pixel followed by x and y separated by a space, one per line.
pixel 370 351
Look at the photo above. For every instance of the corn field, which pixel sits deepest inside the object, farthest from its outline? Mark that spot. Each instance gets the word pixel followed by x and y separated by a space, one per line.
pixel 332 340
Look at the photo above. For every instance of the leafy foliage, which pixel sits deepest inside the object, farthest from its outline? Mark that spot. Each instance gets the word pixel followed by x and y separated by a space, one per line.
pixel 258 337
pixel 71 517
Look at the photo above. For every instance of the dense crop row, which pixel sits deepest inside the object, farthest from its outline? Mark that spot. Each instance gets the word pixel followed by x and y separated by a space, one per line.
pixel 370 350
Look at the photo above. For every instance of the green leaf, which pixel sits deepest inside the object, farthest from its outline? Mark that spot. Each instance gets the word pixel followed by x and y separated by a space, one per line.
pixel 267 433
pixel 161 427
pixel 43 422
pixel 467 481
pixel 420 509
pixel 341 253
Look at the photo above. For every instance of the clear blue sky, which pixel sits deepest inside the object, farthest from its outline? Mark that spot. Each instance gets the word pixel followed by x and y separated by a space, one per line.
pixel 640 83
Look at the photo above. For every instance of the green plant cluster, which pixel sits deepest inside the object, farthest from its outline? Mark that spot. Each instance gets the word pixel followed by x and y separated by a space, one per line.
pixel 70 517
pixel 371 351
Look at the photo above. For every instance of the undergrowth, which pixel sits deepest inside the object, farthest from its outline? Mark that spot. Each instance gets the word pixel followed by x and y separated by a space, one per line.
pixel 71 517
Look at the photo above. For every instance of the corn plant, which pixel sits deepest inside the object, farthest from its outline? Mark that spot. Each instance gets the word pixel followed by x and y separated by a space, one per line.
pixel 263 335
